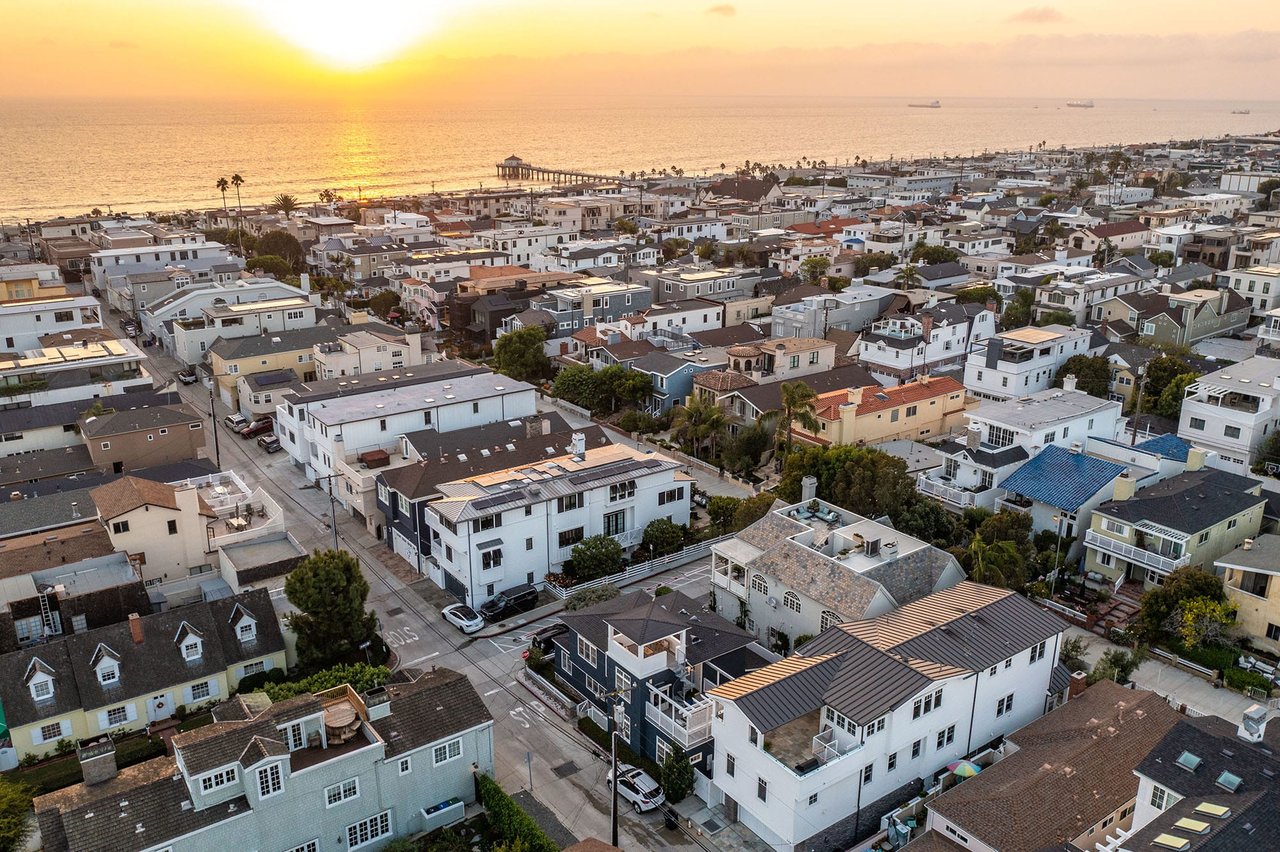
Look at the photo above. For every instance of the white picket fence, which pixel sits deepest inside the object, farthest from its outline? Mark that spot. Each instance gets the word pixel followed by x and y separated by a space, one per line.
pixel 644 569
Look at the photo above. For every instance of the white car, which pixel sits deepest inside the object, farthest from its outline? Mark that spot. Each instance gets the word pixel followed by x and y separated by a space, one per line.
pixel 635 786
pixel 463 617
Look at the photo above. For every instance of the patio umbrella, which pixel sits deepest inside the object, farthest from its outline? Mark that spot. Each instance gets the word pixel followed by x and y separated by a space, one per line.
pixel 964 768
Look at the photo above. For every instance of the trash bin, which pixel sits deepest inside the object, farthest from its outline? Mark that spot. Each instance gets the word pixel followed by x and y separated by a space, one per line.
pixel 670 819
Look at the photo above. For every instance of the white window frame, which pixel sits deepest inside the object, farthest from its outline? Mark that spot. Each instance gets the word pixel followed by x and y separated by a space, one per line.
pixel 208 690
pixel 406 765
pixel 218 779
pixel 120 715
pixel 446 752
pixel 344 791
pixel 271 780
pixel 309 846
pixel 374 828
pixel 586 651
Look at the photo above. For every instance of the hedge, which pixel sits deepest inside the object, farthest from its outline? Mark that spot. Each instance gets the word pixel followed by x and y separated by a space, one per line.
pixel 510 819
pixel 1242 680
pixel 64 771
pixel 626 754
pixel 360 676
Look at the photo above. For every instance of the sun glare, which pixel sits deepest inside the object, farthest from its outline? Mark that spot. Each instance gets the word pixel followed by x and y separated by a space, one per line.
pixel 347 35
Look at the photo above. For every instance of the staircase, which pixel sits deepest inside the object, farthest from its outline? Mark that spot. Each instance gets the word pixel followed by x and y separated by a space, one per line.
pixel 1119 610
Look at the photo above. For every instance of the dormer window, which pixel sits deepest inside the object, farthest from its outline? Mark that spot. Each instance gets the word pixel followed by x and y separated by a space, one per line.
pixel 42 690
pixel 108 674
pixel 191 650
pixel 247 630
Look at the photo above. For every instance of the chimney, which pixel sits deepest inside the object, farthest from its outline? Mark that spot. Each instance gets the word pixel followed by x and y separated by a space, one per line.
pixel 1247 545
pixel 855 396
pixel 1195 458
pixel 97 762
pixel 304 282
pixel 1069 382
pixel 1222 303
pixel 1253 724
pixel 1076 447
pixel 187 501
pixel 973 437
pixel 135 627
pixel 1079 682
pixel 926 323
pixel 579 445
pixel 808 489
pixel 377 703
pixel 992 306
pixel 1126 486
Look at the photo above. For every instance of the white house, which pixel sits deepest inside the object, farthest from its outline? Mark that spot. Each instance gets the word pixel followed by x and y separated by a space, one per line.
pixel 522 242
pixel 23 323
pixel 900 348
pixel 811 751
pixel 1020 362
pixel 65 373
pixel 1232 411
pixel 112 263
pixel 1256 284
pixel 193 336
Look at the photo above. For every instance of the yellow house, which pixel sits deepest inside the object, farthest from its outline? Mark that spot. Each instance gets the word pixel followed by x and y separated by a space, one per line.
pixel 1251 575
pixel 127 675
pixel 30 287
pixel 925 407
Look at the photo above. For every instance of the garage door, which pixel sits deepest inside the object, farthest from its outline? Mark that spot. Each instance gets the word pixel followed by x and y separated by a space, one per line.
pixel 404 548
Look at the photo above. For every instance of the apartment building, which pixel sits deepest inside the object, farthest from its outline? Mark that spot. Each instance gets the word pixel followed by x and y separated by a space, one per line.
pixel 368 349
pixel 568 309
pixel 78 372
pixel 1026 360
pixel 521 242
pixel 1194 518
pixel 1231 411
pixel 124 676
pixel 159 317
pixel 693 281
pixel 495 530
pixel 54 426
pixel 1002 436
pixel 198 258
pixel 333 770
pixel 1124 236
pixel 852 309
pixel 900 348
pixel 133 438
pixel 1079 292
pixel 803 568
pixel 24 321
pixel 813 750
pixel 1254 284
pixel 920 409
pixel 193 337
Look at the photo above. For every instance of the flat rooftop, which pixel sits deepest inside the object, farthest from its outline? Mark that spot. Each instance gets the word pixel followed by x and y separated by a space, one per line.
pixel 857 543
pixel 381 403
pixel 56 356
pixel 263 551
pixel 1043 408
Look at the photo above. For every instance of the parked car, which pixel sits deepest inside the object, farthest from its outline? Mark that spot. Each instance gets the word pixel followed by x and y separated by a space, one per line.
pixel 544 639
pixel 463 617
pixel 188 376
pixel 513 601
pixel 270 443
pixel 97 294
pixel 235 422
pixel 636 787
pixel 130 328
pixel 257 427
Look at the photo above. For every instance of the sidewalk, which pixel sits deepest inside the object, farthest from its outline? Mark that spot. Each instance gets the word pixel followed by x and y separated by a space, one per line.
pixel 1183 687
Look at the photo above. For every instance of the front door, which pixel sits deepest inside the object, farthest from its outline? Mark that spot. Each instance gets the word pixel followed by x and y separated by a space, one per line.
pixel 160 707
pixel 730 809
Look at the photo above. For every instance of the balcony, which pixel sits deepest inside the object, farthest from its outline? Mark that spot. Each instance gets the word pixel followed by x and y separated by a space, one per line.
pixel 1141 556
pixel 1015 502
pixel 629 538
pixel 962 498
pixel 687 724
pixel 731 578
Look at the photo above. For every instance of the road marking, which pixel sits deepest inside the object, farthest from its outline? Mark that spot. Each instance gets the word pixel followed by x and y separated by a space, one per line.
pixel 491 692
pixel 421 659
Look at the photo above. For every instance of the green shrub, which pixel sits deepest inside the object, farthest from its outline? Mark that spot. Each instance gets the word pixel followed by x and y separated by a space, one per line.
pixel 1215 657
pixel 589 597
pixel 255 682
pixel 360 676
pixel 677 775
pixel 1241 680
pixel 801 639
pixel 510 820
pixel 662 590
pixel 626 754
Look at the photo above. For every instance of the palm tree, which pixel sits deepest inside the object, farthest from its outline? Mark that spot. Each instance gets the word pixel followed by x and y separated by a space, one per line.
pixel 908 276
pixel 223 186
pixel 285 203
pixel 992 564
pixel 797 407
pixel 698 423
pixel 238 182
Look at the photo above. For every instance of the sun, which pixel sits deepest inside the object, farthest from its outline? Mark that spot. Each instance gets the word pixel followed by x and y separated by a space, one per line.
pixel 349 35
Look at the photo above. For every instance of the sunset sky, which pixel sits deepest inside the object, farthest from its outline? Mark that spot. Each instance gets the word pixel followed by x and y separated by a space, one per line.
pixel 505 50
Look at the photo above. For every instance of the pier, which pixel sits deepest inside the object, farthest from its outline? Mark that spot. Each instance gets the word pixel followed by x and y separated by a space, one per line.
pixel 514 168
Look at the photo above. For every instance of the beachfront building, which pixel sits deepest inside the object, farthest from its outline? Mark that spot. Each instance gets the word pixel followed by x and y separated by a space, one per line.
pixel 1023 361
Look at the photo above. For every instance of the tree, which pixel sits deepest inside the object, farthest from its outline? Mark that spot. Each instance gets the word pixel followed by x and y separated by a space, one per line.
pixel 907 277
pixel 273 265
pixel 706 250
pixel 383 302
pixel 1159 604
pixel 330 592
pixel 284 203
pixel 863 265
pixel 1008 525
pixel 979 295
pixel 674 247
pixel 617 386
pixel 1104 253
pixel 223 185
pixel 282 244
pixel 592 596
pixel 721 509
pixel 1267 187
pixel 752 509
pixel 626 226
pixel 814 267
pixel 860 479
pixel 16 825
pixel 238 182
pixel 1017 312
pixel 1053 231
pixel 1057 318
pixel 520 355
pixel 594 557
pixel 1092 372
pixel 1159 373
pixel 1162 259
pixel 742 452
pixel 926 520
pixel 1203 621
pixel 577 384
pixel 1169 403
pixel 677 775
pixel 797 407
pixel 997 564
pixel 933 255
pixel 1046 199
pixel 699 423
pixel 1268 454
pixel 1117 665
pixel 662 536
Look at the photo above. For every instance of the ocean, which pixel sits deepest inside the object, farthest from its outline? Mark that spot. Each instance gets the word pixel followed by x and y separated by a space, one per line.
pixel 65 157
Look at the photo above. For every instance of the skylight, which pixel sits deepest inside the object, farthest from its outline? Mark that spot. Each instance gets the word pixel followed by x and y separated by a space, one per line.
pixel 1194 826
pixel 1227 781
pixel 1172 841
pixel 1188 761
pixel 1210 809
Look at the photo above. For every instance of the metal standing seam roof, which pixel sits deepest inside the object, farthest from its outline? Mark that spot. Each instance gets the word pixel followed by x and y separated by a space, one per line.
pixel 1062 479
pixel 1167 446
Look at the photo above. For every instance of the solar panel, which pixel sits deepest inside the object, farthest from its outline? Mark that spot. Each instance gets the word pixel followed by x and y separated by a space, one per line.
pixel 497 500
pixel 617 469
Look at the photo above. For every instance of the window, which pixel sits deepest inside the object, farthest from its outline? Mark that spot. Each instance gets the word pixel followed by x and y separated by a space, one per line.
pixel 257 667
pixel 406 765
pixel 829 619
pixel 120 527
pixel 53 731
pixel 927 704
pixel 917 748
pixel 1008 663
pixel 1196 423
pixel 1037 653
pixel 673 495
pixel 586 651
pixel 759 584
pixel 998 436
pixel 868 772
pixel 615 523
pixel 893 761
pixel 108 674
pixel 568 503
pixel 1231 524
pixel 200 691
pixel 488 522
pixel 991 672
pixel 117 716
pixel 947 737
pixel 661 750
pixel 1273 632
pixel 813 357
pixel 1203 537
pixel 218 779
pixel 446 752
pixel 791 601
pixel 1159 798
pixel 622 491
pixel 247 631
pixel 912 410
pixel 173 527
pixel 1115 527
pixel 339 793
pixel 795 361
pixel 368 830
pixel 1231 431
pixel 813 799
pixel 753 735
pixel 568 538
pixel 762 789
pixel 730 765
pixel 191 650
pixel 1004 705
pixel 491 559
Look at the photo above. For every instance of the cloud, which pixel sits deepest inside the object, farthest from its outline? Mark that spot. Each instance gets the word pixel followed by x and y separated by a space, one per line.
pixel 120 44
pixel 724 10
pixel 1038 15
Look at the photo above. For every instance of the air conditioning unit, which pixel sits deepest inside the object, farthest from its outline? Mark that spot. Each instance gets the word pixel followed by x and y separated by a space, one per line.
pixel 773 602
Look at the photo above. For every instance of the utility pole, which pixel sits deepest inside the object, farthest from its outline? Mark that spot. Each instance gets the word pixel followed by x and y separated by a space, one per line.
pixel 213 424
pixel 1137 408
pixel 333 511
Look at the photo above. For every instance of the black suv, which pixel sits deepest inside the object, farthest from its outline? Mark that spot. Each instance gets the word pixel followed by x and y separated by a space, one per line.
pixel 513 601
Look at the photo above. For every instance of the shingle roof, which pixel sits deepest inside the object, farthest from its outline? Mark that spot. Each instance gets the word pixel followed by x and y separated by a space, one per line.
pixel 138 419
pixel 1062 479
pixel 44 464
pixel 649 618
pixel 66 413
pixel 436 705
pixel 130 492
pixel 1189 502
pixel 1072 768
pixel 769 397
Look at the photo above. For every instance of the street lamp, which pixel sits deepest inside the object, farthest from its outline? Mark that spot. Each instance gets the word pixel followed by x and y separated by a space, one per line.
pixel 613 758
pixel 1057 544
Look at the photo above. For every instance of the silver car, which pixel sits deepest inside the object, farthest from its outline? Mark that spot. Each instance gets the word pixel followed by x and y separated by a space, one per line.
pixel 463 617
pixel 636 787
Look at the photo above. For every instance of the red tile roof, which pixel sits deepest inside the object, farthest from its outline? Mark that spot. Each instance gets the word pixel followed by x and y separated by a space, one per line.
pixel 1117 229
pixel 926 387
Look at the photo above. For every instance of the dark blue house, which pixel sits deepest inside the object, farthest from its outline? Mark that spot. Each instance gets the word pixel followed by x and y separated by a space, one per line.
pixel 646 662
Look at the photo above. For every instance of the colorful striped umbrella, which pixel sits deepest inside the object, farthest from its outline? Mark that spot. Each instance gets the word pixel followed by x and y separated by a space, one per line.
pixel 964 768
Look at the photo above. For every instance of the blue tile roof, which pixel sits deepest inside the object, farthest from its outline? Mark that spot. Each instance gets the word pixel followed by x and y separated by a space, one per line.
pixel 1169 446
pixel 1061 478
